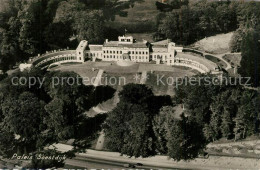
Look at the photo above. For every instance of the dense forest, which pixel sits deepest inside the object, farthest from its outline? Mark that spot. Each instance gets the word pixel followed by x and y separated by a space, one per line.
pixel 32 117
pixel 29 27
pixel 145 125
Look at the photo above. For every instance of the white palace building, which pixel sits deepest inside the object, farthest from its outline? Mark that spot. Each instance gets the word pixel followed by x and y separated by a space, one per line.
pixel 127 49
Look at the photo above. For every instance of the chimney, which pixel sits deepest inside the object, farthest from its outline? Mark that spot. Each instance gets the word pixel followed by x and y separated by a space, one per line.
pixel 106 40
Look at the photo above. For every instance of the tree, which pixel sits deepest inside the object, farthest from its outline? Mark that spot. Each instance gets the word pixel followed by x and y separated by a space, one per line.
pixel 8 144
pixel 57 35
pixel 226 124
pixel 45 163
pixel 90 26
pixel 136 94
pixel 185 139
pixel 236 40
pixel 240 126
pixel 212 130
pixel 128 127
pixel 247 118
pixel 160 124
pixel 129 131
pixel 23 117
pixel 57 118
pixel 250 62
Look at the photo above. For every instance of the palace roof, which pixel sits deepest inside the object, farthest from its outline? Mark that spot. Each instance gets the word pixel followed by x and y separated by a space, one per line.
pixel 95 47
pixel 118 44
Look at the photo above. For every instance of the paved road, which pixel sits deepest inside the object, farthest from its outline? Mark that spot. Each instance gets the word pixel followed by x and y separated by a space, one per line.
pixel 100 142
pixel 94 163
pixel 89 164
pixel 143 77
pixel 98 77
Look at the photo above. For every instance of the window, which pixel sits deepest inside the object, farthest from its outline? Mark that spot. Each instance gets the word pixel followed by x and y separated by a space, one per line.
pixel 114 52
pixel 136 52
pixel 143 52
pixel 79 52
pixel 120 52
pixel 104 51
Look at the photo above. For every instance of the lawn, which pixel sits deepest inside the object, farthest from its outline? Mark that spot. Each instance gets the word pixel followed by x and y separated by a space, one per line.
pixel 117 80
pixel 86 73
pixel 217 44
pixel 161 82
pixel 233 59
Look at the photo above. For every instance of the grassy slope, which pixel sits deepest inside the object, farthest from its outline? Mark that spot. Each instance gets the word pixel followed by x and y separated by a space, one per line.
pixel 217 44
pixel 141 12
pixel 4 5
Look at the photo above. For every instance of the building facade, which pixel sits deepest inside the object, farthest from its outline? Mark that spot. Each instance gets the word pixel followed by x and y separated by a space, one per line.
pixel 127 49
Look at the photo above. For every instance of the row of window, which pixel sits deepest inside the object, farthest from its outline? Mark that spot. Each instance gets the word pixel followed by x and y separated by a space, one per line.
pixel 120 52
pixel 92 54
pixel 120 57
pixel 112 52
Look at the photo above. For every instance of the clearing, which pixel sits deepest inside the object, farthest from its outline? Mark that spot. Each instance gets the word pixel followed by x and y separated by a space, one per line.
pixel 217 44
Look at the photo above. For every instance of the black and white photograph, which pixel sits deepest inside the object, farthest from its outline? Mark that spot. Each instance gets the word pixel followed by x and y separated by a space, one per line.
pixel 130 84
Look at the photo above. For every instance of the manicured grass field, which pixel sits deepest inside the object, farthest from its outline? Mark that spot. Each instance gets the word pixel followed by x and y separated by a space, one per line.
pixel 217 44
pixel 162 82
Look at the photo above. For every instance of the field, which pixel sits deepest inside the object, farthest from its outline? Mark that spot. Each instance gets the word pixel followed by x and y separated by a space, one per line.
pixel 218 44
pixel 143 14
pixel 234 59
pixel 163 82
pixel 116 76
